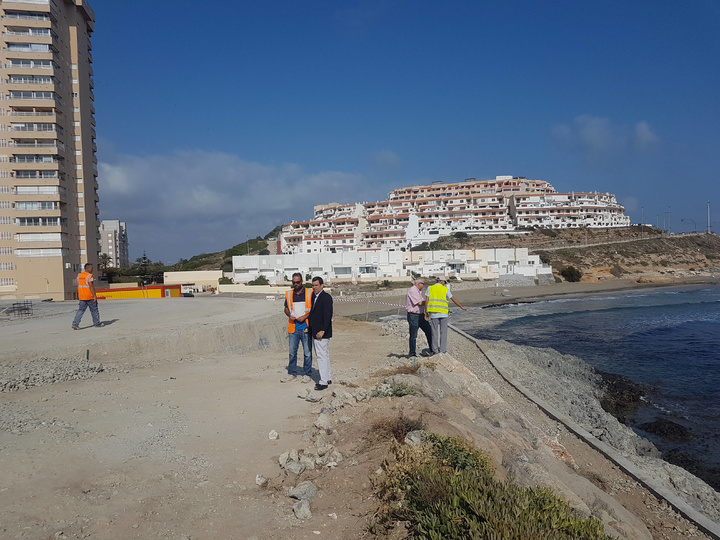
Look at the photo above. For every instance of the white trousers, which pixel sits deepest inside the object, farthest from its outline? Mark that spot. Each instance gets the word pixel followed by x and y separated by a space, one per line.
pixel 323 359
pixel 439 334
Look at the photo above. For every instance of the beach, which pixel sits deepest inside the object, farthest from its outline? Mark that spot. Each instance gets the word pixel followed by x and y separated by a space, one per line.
pixel 167 438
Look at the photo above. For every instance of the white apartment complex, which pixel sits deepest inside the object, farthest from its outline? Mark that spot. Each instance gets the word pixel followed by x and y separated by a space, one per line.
pixel 48 169
pixel 417 214
pixel 114 242
pixel 359 265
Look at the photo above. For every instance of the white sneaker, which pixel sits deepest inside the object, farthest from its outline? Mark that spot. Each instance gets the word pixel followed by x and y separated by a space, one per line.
pixel 289 378
pixel 305 379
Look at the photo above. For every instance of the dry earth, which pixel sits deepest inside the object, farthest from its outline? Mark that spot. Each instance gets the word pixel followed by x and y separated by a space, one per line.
pixel 169 445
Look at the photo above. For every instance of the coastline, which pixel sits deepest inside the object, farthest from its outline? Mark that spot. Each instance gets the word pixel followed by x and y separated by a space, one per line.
pixel 190 387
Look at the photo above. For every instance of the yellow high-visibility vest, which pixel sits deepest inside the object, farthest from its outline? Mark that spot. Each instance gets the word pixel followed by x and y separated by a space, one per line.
pixel 437 299
pixel 289 300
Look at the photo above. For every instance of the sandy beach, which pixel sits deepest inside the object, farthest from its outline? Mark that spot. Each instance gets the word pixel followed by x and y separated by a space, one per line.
pixel 167 438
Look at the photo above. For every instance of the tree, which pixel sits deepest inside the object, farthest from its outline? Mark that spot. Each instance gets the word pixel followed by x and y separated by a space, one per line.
pixel 570 273
pixel 105 261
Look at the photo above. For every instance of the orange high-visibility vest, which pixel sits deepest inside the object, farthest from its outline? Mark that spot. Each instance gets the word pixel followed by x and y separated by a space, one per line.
pixel 289 300
pixel 84 292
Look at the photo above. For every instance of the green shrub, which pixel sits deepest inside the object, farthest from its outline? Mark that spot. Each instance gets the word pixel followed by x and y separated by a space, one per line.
pixel 225 281
pixel 570 273
pixel 260 280
pixel 446 490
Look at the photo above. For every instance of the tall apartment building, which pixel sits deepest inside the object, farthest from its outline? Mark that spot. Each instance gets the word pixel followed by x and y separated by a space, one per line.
pixel 114 242
pixel 48 169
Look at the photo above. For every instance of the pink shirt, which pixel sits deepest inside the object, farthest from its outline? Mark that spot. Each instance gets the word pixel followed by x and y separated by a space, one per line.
pixel 414 297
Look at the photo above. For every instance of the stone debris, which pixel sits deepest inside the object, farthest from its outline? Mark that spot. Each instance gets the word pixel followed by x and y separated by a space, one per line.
pixel 294 467
pixel 273 435
pixel 415 438
pixel 41 371
pixel 303 491
pixel 323 421
pixel 260 480
pixel 302 510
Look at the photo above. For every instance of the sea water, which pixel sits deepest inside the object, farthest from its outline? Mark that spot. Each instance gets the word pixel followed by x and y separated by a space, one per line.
pixel 667 338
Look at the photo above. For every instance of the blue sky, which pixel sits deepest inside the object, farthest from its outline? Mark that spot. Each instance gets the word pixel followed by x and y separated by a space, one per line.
pixel 218 120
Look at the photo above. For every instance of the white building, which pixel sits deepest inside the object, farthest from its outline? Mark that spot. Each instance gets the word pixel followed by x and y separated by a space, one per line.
pixel 114 242
pixel 417 214
pixel 373 265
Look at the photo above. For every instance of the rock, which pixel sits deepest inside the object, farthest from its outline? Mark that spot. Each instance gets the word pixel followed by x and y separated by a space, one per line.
pixel 415 438
pixel 260 480
pixel 343 395
pixel 323 421
pixel 283 459
pixel 308 460
pixel 337 403
pixel 293 454
pixel 314 397
pixel 273 435
pixel 361 394
pixel 303 491
pixel 302 510
pixel 345 419
pixel 295 467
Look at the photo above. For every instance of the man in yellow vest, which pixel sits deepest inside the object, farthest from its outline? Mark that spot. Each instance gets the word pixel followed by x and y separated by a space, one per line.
pixel 298 302
pixel 87 298
pixel 438 296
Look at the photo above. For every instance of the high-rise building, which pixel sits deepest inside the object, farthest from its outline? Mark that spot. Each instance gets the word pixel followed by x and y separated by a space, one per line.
pixel 114 243
pixel 48 169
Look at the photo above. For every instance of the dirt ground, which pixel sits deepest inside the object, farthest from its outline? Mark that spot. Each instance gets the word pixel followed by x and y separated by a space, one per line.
pixel 172 449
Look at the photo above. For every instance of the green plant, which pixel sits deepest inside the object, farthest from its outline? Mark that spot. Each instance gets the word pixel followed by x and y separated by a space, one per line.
pixel 225 281
pixel 570 273
pixel 401 389
pixel 446 489
pixel 547 232
pixel 260 280
pixel 397 427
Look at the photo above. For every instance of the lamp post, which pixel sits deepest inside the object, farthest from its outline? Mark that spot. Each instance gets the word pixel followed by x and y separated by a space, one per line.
pixel 693 221
pixel 247 244
pixel 642 220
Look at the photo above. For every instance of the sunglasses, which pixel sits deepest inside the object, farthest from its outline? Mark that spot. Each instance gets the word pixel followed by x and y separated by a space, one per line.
pixel 296 282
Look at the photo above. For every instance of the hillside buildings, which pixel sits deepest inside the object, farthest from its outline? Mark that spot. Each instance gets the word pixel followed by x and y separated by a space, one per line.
pixel 417 214
pixel 48 168
pixel 114 242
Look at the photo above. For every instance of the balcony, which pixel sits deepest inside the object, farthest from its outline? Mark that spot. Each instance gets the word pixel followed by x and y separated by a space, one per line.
pixel 34 143
pixel 29 79
pixel 28 32
pixel 36 95
pixel 26 15
pixel 16 63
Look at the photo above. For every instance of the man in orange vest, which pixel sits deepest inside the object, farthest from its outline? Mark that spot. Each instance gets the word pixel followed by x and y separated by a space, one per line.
pixel 87 298
pixel 297 308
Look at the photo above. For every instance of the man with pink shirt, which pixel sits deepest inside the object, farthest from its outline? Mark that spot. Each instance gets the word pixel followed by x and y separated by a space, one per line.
pixel 415 307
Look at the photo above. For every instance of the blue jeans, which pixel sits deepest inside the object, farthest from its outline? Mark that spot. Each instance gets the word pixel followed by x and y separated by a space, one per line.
pixel 300 336
pixel 84 304
pixel 416 321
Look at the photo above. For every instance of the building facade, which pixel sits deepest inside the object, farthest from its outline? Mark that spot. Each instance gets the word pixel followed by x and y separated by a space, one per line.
pixel 48 170
pixel 114 243
pixel 417 214
pixel 357 266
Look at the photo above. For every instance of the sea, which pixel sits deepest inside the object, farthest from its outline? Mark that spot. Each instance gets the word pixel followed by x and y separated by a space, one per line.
pixel 666 339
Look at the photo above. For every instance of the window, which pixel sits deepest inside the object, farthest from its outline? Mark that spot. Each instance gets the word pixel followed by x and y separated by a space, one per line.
pixel 42 252
pixel 6 251
pixel 6 266
pixel 5 220
pixel 7 281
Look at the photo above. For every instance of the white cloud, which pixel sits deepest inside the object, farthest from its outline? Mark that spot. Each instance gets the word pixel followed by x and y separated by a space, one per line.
pixel 600 142
pixel 386 159
pixel 193 202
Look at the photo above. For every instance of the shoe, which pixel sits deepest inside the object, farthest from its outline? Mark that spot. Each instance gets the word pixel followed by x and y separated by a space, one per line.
pixel 100 325
pixel 319 386
pixel 329 382
pixel 289 378
pixel 426 352
pixel 75 327
pixel 305 379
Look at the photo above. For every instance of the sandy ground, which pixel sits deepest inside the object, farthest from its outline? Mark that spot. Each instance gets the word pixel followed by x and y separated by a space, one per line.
pixel 168 440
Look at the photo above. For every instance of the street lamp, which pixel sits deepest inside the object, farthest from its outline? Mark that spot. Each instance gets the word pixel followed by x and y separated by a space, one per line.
pixel 691 219
pixel 247 244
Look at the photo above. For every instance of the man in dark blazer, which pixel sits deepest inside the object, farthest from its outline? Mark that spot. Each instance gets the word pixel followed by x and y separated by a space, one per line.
pixel 320 321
